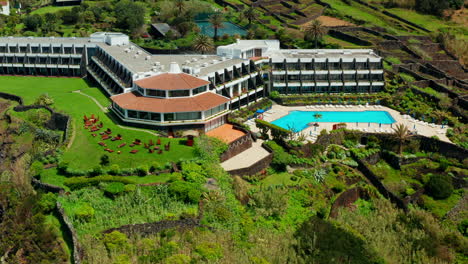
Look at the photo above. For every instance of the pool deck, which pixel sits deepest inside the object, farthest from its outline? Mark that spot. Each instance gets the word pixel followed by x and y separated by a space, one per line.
pixel 419 127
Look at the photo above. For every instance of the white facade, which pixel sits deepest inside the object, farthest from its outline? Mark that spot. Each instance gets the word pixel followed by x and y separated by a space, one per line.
pixel 5 8
pixel 111 39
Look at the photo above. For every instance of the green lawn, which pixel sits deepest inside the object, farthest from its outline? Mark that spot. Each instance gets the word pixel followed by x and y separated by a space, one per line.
pixel 50 9
pixel 278 179
pixel 85 152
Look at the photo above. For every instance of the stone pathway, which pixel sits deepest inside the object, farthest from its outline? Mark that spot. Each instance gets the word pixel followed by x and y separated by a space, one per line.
pixel 246 158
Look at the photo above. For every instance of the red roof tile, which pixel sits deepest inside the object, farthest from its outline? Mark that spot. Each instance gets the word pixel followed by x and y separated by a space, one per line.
pixel 201 102
pixel 171 81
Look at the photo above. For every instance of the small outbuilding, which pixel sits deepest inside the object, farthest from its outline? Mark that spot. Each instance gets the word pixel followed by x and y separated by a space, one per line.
pixel 159 30
pixel 5 8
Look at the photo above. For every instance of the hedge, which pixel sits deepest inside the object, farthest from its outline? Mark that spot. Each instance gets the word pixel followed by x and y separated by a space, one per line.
pixel 82 182
pixel 277 132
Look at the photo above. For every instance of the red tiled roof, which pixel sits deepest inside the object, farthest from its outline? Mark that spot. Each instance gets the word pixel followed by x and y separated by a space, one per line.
pixel 3 3
pixel 171 81
pixel 201 102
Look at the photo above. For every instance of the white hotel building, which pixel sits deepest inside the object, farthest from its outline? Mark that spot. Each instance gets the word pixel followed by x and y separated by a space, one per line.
pixel 196 91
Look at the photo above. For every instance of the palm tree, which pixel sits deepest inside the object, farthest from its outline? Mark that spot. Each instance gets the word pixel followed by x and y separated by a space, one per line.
pixel 180 4
pixel 401 133
pixel 216 20
pixel 203 43
pixel 317 116
pixel 250 14
pixel 314 30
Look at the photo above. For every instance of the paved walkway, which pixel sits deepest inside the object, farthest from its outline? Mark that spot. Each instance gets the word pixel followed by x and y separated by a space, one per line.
pixel 416 126
pixel 246 158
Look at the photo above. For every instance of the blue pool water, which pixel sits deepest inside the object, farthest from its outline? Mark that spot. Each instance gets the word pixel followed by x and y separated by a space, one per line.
pixel 229 28
pixel 298 120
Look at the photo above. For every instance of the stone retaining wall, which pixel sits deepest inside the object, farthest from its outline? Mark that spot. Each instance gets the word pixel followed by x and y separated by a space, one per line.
pixel 156 227
pixel 70 230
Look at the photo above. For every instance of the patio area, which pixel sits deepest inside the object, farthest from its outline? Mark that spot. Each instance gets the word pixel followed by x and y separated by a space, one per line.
pixel 415 126
pixel 226 133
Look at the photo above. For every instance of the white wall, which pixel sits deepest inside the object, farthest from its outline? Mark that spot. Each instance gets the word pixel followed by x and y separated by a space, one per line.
pixel 6 9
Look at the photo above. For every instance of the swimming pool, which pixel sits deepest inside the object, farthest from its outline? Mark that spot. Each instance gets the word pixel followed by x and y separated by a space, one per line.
pixel 229 28
pixel 298 120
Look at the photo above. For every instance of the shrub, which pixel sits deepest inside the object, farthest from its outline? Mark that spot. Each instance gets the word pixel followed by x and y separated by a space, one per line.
pixel 114 169
pixel 84 212
pixel 175 176
pixel 48 202
pixel 114 188
pixel 36 169
pixel 142 170
pixel 185 191
pixel 156 166
pixel 280 157
pixel 115 241
pixel 104 160
pixel 178 259
pixel 130 188
pixel 439 186
pixel 62 168
pixel 82 182
pixel 97 170
pixel 209 251
pixel 193 172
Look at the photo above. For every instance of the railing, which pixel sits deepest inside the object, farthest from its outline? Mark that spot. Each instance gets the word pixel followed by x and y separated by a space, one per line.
pixel 114 76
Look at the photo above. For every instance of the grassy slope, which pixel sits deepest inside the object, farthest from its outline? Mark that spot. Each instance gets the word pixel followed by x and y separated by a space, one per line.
pixel 85 153
pixel 50 9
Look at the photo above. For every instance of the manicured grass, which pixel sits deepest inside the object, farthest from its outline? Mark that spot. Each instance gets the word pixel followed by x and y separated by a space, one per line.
pixel 278 179
pixel 441 207
pixel 50 9
pixel 51 176
pixel 85 152
pixel 342 43
pixel 162 178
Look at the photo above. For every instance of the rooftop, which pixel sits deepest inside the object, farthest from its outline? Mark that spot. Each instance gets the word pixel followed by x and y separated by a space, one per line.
pixel 322 53
pixel 45 40
pixel 171 81
pixel 139 60
pixel 226 133
pixel 201 102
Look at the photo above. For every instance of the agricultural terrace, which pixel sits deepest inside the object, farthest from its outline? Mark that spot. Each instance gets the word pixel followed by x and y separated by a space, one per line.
pixel 84 152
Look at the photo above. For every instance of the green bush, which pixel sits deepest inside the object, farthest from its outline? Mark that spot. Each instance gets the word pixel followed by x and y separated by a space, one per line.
pixel 82 182
pixel 84 212
pixel 114 188
pixel 104 160
pixel 280 157
pixel 439 186
pixel 97 170
pixel 115 241
pixel 130 187
pixel 156 166
pixel 178 259
pixel 188 192
pixel 114 169
pixel 36 169
pixel 48 202
pixel 209 251
pixel 193 172
pixel 142 170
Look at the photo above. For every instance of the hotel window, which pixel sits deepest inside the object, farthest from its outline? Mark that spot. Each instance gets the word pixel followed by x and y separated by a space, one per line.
pixel 335 89
pixel 348 66
pixel 375 65
pixel 141 90
pixel 377 77
pixel 293 78
pixel 45 49
pixel 334 65
pixel 199 90
pixel 363 76
pixel 307 77
pixel 132 114
pixel 157 93
pixel 68 50
pixel 361 66
pixel 321 77
pixel 169 117
pixel 363 89
pixel 307 89
pixel 335 77
pixel 23 49
pixel 179 93
pixel 349 77
pixel 293 89
pixel 293 66
pixel 56 49
pixel 278 78
pixel 320 66
pixel 144 115
pixel 188 116
pixel 2 49
pixel 79 50
pixel 349 89
pixel 215 110
pixel 156 116
pixel 278 66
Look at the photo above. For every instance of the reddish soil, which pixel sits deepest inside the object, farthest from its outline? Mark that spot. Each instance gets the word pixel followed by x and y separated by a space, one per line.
pixel 332 22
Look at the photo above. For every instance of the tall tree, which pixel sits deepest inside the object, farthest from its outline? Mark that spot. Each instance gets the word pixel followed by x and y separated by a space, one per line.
pixel 216 21
pixel 401 133
pixel 203 43
pixel 180 5
pixel 314 31
pixel 250 14
pixel 130 15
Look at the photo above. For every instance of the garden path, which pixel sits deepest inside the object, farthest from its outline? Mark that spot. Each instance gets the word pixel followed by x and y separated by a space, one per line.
pixel 105 110
pixel 246 158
